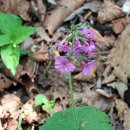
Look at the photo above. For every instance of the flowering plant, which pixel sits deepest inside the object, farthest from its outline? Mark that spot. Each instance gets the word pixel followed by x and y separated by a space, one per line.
pixel 79 44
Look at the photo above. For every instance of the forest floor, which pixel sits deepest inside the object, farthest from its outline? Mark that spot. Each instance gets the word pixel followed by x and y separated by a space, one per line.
pixel 107 85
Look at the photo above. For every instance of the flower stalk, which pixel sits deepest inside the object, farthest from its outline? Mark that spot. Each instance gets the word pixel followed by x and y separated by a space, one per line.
pixel 73 101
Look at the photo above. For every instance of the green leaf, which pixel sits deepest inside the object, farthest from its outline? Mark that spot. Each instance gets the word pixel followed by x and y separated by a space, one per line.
pixel 9 22
pixel 21 33
pixel 80 58
pixel 23 52
pixel 4 40
pixel 84 25
pixel 10 56
pixel 89 118
pixel 40 99
pixel 49 106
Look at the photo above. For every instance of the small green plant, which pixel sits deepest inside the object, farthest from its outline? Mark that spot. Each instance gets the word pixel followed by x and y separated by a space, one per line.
pixel 79 45
pixel 12 33
pixel 41 100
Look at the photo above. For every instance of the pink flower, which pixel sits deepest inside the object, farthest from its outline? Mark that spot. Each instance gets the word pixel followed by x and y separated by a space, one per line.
pixel 88 67
pixel 63 65
pixel 64 48
pixel 78 48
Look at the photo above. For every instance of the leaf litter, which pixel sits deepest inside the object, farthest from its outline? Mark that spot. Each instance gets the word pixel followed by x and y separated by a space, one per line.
pixel 107 87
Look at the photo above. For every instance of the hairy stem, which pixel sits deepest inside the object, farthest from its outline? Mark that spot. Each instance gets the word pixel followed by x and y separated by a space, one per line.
pixel 73 101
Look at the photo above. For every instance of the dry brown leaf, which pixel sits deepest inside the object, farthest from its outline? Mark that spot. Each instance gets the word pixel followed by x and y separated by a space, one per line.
pixel 25 75
pixel 91 5
pixel 119 57
pixel 89 78
pixel 56 17
pixel 119 25
pixel 10 106
pixel 43 34
pixel 92 98
pixel 102 42
pixel 123 113
pixel 120 87
pixel 109 79
pixel 41 55
pixel 12 124
pixel 108 12
pixel 8 6
pixel 29 112
pixel 104 93
pixel 4 82
pixel 23 9
pixel 41 9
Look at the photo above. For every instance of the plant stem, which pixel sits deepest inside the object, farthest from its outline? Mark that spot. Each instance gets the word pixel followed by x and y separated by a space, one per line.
pixel 73 101
pixel 19 122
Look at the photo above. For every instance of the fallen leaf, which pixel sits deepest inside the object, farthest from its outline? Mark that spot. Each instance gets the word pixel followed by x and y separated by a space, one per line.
pixel 120 87
pixel 97 100
pixel 108 79
pixel 40 31
pixel 93 6
pixel 23 9
pixel 8 6
pixel 119 56
pixel 108 12
pixel 56 16
pixel 41 9
pixel 4 82
pixel 29 113
pixel 123 113
pixel 10 104
pixel 119 25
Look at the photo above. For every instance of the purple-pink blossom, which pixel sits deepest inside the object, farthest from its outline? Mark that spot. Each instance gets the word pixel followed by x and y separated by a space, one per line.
pixel 88 67
pixel 78 48
pixel 64 48
pixel 63 65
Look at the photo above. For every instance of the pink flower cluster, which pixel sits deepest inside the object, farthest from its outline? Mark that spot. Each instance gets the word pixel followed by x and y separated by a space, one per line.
pixel 79 48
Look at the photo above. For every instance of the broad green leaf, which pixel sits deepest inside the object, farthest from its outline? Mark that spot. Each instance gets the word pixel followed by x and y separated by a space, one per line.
pixel 10 56
pixel 40 99
pixel 21 33
pixel 9 22
pixel 89 118
pixel 4 40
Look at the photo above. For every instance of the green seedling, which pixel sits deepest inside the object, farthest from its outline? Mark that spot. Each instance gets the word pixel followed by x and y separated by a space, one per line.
pixel 12 34
pixel 41 100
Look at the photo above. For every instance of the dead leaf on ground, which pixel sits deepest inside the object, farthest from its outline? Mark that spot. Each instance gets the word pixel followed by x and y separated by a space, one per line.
pixel 120 87
pixel 89 78
pixel 25 75
pixel 93 6
pixel 4 82
pixel 29 112
pixel 10 106
pixel 108 12
pixel 123 113
pixel 40 31
pixel 56 17
pixel 119 57
pixel 41 9
pixel 8 6
pixel 23 9
pixel 12 124
pixel 97 100
pixel 41 55
pixel 119 25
